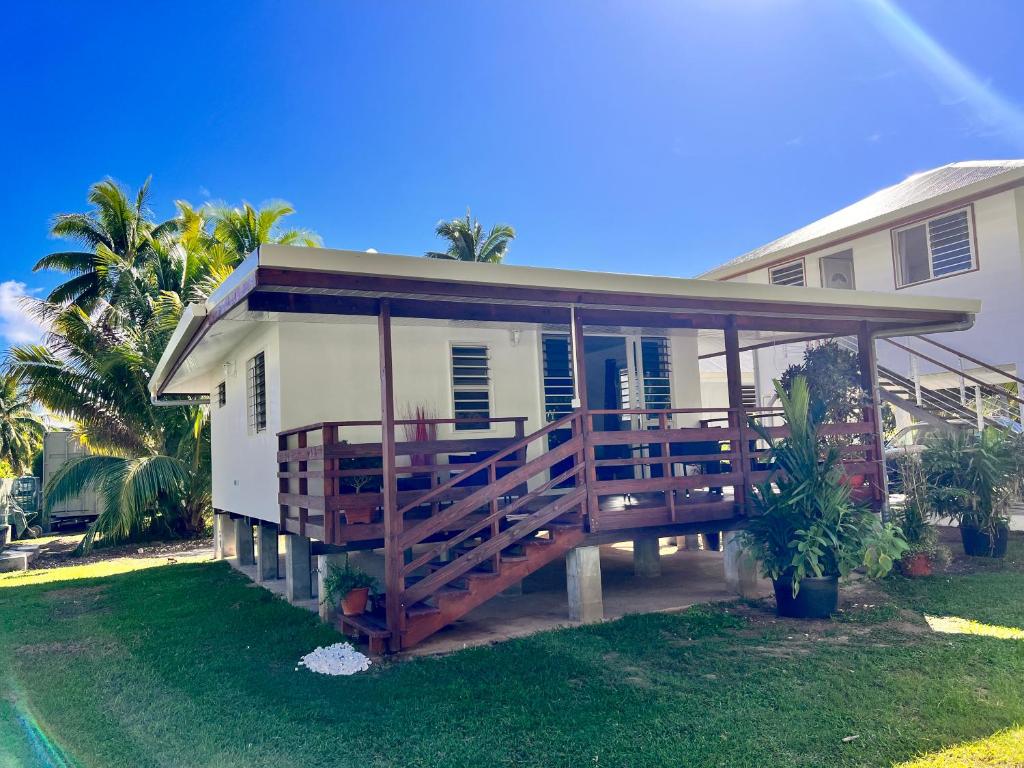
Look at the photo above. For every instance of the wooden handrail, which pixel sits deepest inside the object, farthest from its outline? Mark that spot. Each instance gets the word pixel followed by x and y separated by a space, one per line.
pixel 486 493
pixel 472 469
pixel 974 360
pixel 400 422
pixel 983 384
pixel 443 546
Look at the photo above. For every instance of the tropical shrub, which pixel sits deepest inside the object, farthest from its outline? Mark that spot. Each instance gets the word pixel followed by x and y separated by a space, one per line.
pixel 807 524
pixel 973 477
pixel 833 380
pixel 914 517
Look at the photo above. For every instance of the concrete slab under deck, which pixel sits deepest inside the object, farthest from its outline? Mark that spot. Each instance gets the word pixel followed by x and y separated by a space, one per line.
pixel 687 578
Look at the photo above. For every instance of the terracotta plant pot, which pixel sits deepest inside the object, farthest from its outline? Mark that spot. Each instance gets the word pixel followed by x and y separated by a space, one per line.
pixel 916 565
pixel 358 515
pixel 354 603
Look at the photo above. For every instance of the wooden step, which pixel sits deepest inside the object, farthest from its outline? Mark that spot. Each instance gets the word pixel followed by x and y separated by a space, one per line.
pixel 421 609
pixel 366 625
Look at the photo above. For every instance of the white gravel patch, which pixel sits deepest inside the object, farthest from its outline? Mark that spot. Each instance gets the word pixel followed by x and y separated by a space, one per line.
pixel 337 659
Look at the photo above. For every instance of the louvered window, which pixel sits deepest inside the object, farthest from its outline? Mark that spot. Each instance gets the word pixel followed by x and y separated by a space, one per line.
pixel 256 393
pixel 222 395
pixel 656 362
pixel 471 386
pixel 787 274
pixel 934 248
pixel 558 380
pixel 749 396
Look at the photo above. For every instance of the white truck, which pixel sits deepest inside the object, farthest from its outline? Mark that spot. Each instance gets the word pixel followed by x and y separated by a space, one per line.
pixel 58 448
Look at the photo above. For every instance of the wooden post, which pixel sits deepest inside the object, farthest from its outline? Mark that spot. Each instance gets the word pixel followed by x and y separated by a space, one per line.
pixel 737 414
pixel 580 381
pixel 330 486
pixel 872 414
pixel 303 484
pixel 666 464
pixel 394 581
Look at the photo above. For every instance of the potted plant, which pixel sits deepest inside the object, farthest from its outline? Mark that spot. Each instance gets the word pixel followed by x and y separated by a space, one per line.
pixel 348 585
pixel 973 478
pixel 913 519
pixel 809 532
pixel 360 511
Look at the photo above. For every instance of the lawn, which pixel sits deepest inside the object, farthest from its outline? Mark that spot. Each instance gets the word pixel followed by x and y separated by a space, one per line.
pixel 120 664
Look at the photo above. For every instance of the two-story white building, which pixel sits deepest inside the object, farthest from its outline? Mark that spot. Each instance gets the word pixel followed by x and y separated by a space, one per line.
pixel 952 231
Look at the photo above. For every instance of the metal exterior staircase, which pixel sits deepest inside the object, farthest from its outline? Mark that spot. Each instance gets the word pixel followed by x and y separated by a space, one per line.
pixel 940 407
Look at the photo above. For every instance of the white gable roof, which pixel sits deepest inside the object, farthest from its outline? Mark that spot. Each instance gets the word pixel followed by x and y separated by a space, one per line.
pixel 920 191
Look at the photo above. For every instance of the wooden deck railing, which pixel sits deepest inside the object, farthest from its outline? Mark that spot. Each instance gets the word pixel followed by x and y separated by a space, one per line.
pixel 330 487
pixel 639 466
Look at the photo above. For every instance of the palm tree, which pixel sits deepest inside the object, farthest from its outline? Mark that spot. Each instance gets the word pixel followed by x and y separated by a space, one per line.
pixel 243 230
pixel 117 235
pixel 466 241
pixel 21 429
pixel 149 465
pixel 107 327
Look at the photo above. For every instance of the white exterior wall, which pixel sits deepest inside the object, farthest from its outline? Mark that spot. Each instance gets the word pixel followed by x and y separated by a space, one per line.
pixel 245 465
pixel 329 372
pixel 998 283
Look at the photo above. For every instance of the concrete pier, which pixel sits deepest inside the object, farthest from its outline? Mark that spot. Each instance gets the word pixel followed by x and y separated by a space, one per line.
pixel 583 584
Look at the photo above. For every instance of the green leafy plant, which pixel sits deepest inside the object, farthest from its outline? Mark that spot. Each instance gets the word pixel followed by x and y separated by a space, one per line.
pixel 808 525
pixel 340 580
pixel 833 380
pixel 973 477
pixel 914 517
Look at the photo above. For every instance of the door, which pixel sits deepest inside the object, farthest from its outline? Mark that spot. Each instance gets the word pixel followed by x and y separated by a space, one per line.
pixel 837 271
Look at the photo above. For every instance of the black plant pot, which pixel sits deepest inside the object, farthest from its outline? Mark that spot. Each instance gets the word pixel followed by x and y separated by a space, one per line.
pixel 818 598
pixel 979 543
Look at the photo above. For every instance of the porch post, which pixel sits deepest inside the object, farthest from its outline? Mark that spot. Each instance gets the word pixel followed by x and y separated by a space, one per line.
pixel 872 414
pixel 580 383
pixel 737 415
pixel 394 563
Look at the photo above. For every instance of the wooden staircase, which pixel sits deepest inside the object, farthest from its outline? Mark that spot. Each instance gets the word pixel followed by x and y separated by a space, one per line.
pixel 478 585
pixel 446 565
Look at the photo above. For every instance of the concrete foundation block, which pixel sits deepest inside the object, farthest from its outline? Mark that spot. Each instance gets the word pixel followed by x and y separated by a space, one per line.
pixel 223 536
pixel 690 543
pixel 740 567
pixel 245 549
pixel 267 553
pixel 583 584
pixel 328 609
pixel 298 570
pixel 646 557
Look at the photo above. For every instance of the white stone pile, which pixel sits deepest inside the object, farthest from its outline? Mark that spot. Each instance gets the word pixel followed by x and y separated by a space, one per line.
pixel 337 659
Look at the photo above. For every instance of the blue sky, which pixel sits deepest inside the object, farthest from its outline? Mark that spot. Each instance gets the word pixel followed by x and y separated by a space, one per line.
pixel 657 137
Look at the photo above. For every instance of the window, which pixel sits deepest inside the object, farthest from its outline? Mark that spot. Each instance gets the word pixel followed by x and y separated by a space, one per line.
pixel 655 359
pixel 935 248
pixel 749 396
pixel 256 393
pixel 222 394
pixel 471 385
pixel 559 389
pixel 787 274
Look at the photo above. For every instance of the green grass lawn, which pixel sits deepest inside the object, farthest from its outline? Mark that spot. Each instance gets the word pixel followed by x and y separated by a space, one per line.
pixel 190 665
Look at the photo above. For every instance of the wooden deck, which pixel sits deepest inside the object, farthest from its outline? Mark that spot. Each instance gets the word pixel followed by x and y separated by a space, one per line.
pixel 472 516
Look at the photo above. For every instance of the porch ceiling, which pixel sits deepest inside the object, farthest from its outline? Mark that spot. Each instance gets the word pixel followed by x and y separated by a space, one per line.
pixel 278 280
